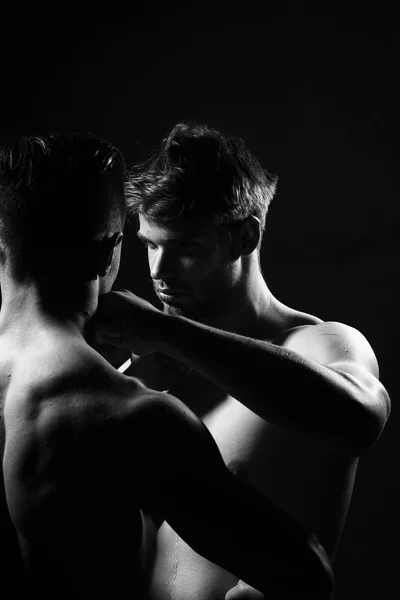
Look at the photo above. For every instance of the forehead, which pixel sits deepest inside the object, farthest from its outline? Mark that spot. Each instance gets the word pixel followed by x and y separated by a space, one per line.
pixel 177 229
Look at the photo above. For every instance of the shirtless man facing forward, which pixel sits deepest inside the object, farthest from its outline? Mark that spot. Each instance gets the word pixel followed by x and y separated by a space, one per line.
pixel 291 401
pixel 85 448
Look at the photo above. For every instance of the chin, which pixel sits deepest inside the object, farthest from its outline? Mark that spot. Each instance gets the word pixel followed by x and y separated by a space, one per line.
pixel 105 285
pixel 103 289
pixel 189 311
pixel 174 310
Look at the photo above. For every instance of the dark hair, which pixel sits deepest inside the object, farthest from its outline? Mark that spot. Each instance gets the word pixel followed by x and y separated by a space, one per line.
pixel 57 191
pixel 202 174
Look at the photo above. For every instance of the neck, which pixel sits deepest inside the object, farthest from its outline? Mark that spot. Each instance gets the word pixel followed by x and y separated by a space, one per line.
pixel 29 305
pixel 248 304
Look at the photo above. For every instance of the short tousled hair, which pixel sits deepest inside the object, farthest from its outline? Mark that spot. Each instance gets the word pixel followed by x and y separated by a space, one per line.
pixel 200 173
pixel 56 191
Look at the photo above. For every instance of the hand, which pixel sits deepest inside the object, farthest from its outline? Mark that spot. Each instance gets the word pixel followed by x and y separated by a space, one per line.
pixel 125 320
pixel 242 591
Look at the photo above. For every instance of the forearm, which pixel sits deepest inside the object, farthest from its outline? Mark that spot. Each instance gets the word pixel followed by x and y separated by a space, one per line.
pixel 183 477
pixel 180 474
pixel 240 529
pixel 274 382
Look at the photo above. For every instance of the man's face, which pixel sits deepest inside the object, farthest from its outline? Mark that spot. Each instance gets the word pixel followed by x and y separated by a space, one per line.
pixel 190 267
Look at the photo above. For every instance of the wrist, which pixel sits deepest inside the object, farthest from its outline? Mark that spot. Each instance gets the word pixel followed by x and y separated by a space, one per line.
pixel 164 329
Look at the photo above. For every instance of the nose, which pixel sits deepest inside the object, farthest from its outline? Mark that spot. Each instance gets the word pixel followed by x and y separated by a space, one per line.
pixel 162 264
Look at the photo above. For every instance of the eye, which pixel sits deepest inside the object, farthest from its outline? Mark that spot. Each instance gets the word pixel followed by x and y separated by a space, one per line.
pixel 147 244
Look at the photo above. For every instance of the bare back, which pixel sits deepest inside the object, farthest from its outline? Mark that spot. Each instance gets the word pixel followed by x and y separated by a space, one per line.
pixel 72 506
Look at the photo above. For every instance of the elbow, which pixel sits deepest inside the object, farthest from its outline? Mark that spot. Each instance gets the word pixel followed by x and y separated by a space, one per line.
pixel 368 424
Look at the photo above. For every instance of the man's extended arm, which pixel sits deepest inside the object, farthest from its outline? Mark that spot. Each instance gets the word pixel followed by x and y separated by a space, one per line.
pixel 241 530
pixel 323 387
pixel 340 404
pixel 179 472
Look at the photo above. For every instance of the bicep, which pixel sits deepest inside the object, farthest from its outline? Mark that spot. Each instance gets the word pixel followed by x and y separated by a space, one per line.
pixel 345 351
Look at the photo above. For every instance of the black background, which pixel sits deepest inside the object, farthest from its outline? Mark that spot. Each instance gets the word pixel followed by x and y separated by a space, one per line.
pixel 315 95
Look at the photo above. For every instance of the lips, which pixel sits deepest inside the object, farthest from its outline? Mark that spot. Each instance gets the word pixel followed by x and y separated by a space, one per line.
pixel 171 292
pixel 172 296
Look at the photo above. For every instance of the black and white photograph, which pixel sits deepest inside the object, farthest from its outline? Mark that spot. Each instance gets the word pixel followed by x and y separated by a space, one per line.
pixel 199 242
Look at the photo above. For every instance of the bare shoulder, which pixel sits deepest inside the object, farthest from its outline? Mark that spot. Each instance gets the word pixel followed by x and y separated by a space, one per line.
pixel 73 396
pixel 346 352
pixel 69 382
pixel 330 342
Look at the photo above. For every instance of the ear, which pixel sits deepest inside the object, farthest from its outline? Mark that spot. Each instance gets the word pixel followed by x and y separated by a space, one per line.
pixel 247 237
pixel 106 252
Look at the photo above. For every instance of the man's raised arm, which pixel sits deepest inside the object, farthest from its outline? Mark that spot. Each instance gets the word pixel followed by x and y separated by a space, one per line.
pixel 323 384
pixel 182 476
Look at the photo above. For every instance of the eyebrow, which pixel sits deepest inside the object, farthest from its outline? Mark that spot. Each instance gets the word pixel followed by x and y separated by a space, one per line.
pixel 176 238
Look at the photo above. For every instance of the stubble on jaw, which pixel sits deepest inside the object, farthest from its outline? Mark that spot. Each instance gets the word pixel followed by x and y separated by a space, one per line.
pixel 201 312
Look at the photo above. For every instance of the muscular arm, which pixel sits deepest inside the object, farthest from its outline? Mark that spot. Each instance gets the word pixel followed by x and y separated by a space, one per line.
pixel 105 446
pixel 234 525
pixel 322 384
pixel 244 532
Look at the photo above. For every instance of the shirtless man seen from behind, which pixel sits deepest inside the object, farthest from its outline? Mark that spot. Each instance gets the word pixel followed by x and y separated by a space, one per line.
pixel 291 401
pixel 85 448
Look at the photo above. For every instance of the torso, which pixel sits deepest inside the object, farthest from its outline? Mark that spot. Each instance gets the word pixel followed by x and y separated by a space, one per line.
pixel 89 529
pixel 311 484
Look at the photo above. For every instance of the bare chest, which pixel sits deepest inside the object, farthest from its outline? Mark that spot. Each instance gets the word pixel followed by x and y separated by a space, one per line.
pixel 312 487
pixel 311 484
